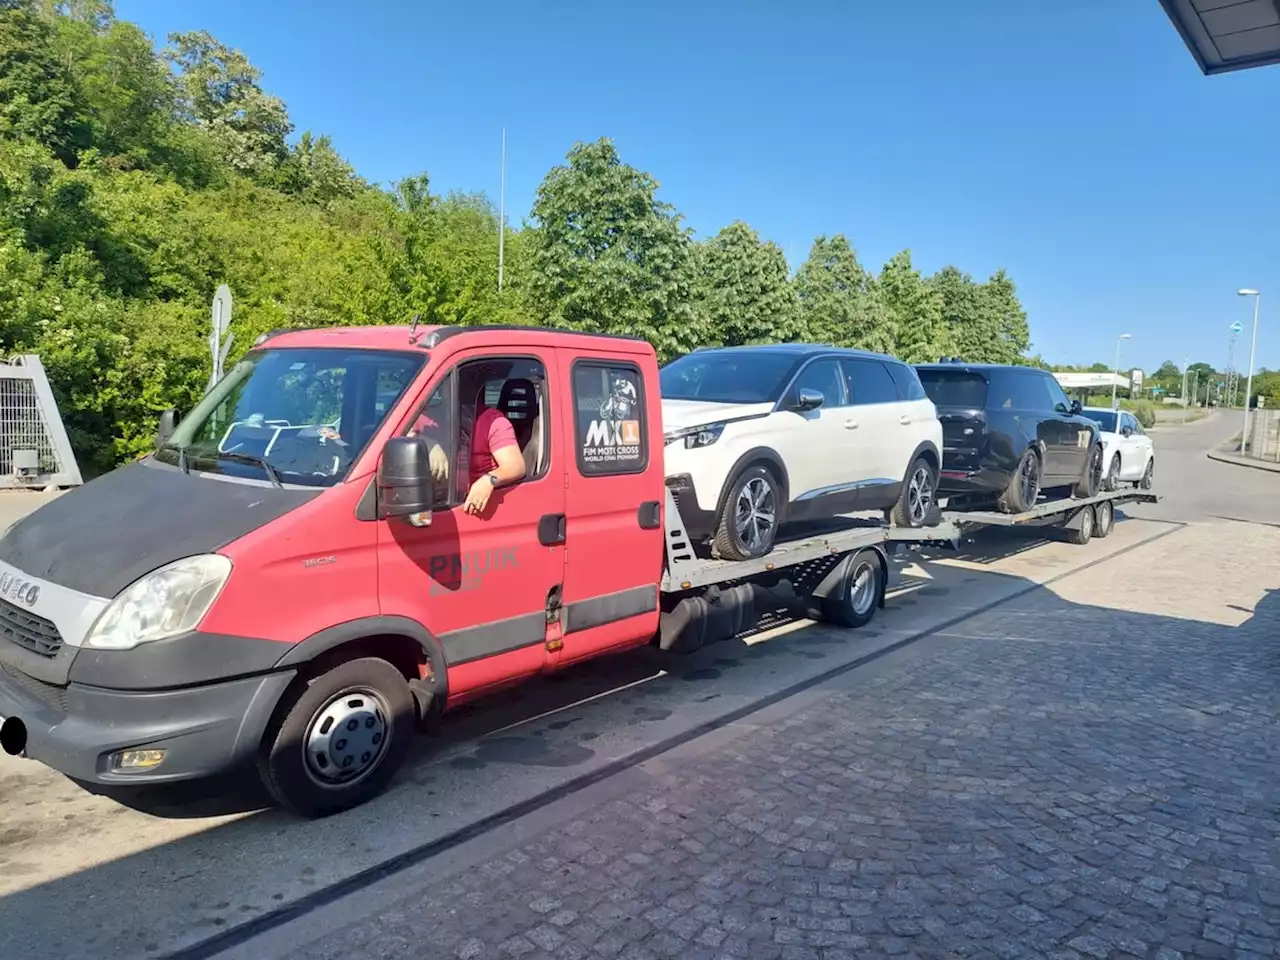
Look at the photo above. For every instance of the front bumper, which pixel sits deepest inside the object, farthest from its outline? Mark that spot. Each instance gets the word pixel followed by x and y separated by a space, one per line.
pixel 204 729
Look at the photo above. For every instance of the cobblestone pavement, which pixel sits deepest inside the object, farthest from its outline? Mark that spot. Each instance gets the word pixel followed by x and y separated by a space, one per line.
pixel 1050 778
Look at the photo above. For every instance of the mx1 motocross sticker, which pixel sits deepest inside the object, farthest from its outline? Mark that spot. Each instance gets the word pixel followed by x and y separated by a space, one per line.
pixel 611 438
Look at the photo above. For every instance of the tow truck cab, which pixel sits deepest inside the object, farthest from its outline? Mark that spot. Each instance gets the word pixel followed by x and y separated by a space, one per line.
pixel 284 581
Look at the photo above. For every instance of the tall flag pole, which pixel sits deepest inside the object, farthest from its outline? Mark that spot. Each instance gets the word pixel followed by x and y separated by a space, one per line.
pixel 502 207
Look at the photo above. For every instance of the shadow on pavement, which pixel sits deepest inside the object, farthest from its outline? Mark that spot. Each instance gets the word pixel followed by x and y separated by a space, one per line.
pixel 209 882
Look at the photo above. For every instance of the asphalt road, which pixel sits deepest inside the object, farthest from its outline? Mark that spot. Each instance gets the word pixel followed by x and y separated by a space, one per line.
pixel 84 876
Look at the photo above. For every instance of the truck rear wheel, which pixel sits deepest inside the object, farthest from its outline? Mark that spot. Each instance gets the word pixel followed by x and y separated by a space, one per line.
pixel 337 741
pixel 855 604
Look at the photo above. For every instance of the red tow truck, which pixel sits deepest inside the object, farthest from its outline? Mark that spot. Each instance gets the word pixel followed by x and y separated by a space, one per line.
pixel 287 581
pixel 292 579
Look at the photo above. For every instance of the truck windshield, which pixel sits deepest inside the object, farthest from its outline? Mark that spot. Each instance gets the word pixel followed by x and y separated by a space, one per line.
pixel 727 376
pixel 293 416
pixel 954 388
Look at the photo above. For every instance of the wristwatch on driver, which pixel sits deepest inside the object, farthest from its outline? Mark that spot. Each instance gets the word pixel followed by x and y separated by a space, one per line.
pixel 493 478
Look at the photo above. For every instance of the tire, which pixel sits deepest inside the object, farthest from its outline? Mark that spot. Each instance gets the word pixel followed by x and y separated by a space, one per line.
pixel 1090 481
pixel 1112 481
pixel 1024 485
pixel 1083 533
pixel 859 602
pixel 1104 519
pixel 368 692
pixel 918 497
pixel 742 532
pixel 1148 475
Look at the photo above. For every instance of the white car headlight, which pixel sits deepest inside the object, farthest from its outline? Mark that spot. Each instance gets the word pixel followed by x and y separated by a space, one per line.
pixel 164 603
pixel 694 437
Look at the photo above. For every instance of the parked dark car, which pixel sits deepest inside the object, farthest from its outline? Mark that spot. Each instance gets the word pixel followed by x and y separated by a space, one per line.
pixel 1011 432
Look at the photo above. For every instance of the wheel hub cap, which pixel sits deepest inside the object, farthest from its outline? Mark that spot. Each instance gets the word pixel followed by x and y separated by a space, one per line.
pixel 864 589
pixel 346 738
pixel 755 512
pixel 919 495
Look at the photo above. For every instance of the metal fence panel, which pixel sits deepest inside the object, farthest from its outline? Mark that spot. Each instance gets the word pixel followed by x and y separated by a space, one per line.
pixel 34 449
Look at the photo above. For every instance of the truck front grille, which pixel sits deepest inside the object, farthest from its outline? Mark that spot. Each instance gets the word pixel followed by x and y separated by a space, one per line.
pixel 48 693
pixel 29 631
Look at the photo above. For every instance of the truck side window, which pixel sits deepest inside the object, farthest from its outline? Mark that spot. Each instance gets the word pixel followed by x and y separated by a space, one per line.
pixel 610 428
pixel 515 387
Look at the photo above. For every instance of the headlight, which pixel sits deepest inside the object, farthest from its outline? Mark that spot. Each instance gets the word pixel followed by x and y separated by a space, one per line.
pixel 164 603
pixel 694 437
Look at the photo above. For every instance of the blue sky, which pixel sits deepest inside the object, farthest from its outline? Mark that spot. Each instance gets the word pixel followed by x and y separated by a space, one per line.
pixel 1074 144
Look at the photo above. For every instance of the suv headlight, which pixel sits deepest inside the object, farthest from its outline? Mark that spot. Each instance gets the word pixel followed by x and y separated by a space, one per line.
pixel 694 437
pixel 164 603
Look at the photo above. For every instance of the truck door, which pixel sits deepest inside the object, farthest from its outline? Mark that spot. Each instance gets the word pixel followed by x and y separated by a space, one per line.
pixel 481 584
pixel 613 535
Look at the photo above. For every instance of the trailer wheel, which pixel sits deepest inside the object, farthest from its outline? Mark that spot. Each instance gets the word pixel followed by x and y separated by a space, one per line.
pixel 1081 530
pixel 337 741
pixel 1104 518
pixel 856 602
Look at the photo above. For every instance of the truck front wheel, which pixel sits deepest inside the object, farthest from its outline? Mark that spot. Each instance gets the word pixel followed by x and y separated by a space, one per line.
pixel 337 741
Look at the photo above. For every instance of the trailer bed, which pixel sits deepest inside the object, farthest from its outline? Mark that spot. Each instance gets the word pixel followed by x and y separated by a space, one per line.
pixel 1042 511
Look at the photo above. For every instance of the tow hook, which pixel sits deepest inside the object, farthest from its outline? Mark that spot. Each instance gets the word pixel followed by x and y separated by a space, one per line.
pixel 13 736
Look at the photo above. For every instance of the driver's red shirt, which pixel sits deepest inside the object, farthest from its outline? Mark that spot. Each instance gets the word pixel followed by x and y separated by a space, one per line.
pixel 492 432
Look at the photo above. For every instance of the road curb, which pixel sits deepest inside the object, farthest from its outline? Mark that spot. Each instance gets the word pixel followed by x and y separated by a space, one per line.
pixel 1215 454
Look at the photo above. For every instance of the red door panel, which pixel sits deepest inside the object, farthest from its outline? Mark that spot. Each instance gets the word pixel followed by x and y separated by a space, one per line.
pixel 612 426
pixel 480 583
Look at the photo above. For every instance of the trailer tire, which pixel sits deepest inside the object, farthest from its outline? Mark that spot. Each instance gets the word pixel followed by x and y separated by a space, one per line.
pixel 301 765
pixel 1082 532
pixel 1104 519
pixel 856 602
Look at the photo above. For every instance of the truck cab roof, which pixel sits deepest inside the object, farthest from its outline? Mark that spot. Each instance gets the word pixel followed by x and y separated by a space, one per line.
pixel 428 336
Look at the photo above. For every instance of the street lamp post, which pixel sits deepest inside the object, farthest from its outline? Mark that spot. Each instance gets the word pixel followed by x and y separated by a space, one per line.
pixel 1116 371
pixel 1253 344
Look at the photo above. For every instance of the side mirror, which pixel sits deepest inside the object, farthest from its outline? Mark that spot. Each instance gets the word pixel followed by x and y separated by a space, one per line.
pixel 404 478
pixel 1076 407
pixel 808 399
pixel 168 421
pixel 1126 431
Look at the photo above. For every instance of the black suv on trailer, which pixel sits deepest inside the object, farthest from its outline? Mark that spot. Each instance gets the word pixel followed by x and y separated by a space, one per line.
pixel 1011 432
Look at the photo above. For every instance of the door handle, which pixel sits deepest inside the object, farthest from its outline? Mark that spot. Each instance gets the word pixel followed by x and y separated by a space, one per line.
pixel 904 420
pixel 851 424
pixel 551 529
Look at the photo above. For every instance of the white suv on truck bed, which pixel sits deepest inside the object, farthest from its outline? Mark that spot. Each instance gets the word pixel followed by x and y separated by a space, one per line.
pixel 757 437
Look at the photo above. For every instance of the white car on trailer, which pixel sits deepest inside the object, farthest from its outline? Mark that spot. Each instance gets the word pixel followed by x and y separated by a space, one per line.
pixel 1128 455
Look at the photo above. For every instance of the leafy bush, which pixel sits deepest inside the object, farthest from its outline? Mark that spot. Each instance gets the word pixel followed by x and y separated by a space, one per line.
pixel 1144 410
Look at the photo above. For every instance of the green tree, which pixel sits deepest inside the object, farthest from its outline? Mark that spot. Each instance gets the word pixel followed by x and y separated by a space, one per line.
pixel 39 100
pixel 916 311
pixel 606 254
pixel 743 292
pixel 838 301
pixel 1006 318
pixel 219 90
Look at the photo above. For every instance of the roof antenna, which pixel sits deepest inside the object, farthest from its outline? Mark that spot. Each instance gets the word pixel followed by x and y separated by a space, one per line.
pixel 413 328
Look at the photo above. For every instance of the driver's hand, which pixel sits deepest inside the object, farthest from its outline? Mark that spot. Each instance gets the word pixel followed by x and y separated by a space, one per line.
pixel 478 496
pixel 439 461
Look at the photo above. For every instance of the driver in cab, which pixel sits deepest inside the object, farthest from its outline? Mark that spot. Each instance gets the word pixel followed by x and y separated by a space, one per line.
pixel 496 460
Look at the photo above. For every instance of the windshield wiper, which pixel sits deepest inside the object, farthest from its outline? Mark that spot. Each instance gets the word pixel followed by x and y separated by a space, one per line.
pixel 272 474
pixel 181 449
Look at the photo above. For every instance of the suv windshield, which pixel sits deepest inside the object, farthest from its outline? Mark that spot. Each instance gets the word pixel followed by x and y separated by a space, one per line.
pixel 954 388
pixel 727 376
pixel 298 416
pixel 1103 418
